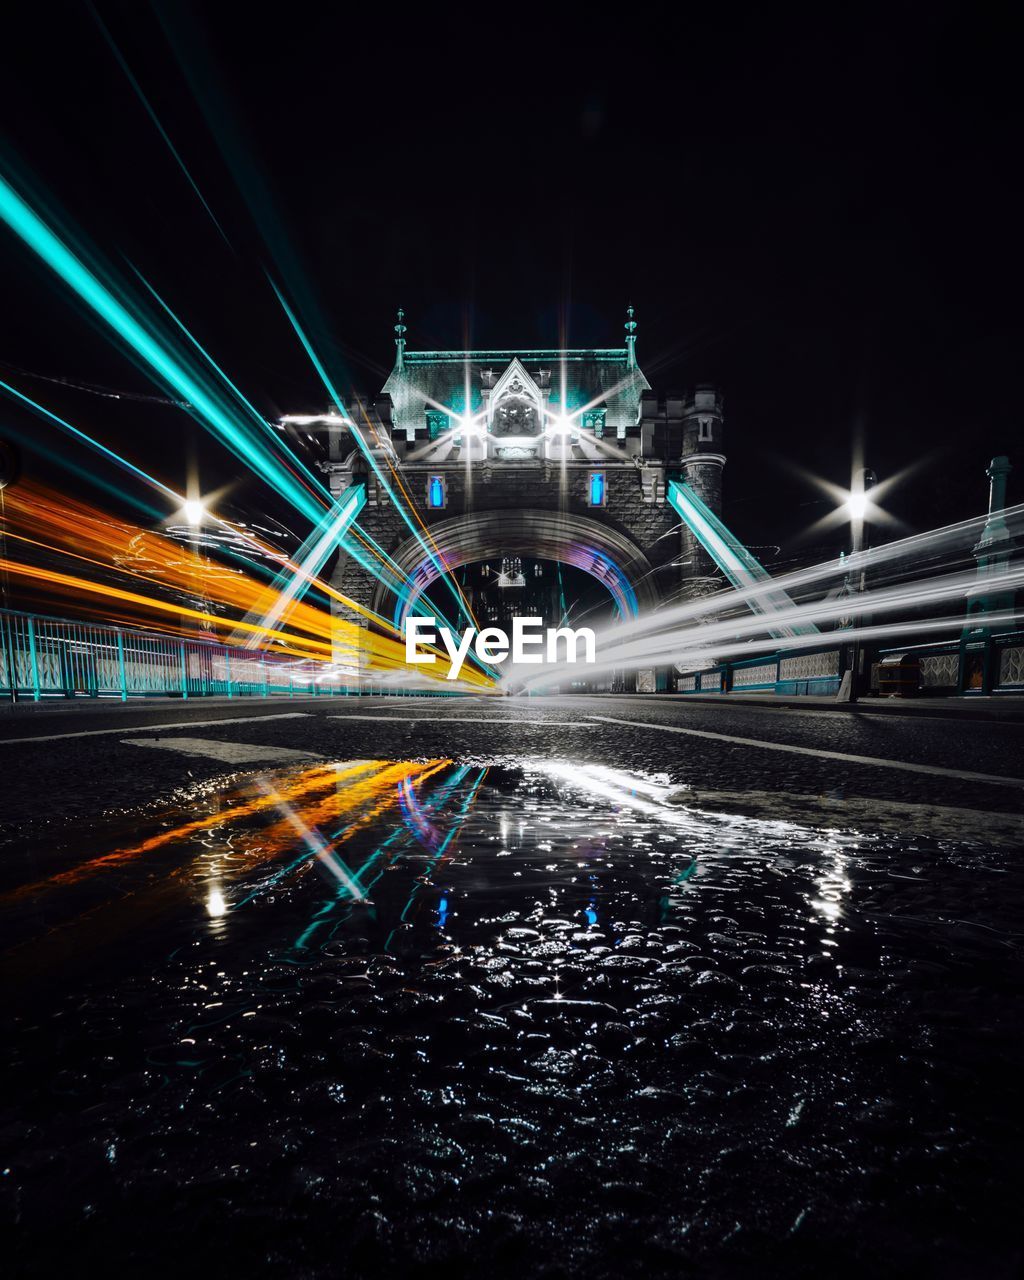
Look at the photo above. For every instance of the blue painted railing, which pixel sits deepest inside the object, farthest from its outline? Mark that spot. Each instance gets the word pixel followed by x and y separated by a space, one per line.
pixel 43 658
pixel 786 673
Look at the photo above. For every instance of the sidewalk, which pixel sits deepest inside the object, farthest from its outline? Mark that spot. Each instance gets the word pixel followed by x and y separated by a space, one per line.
pixel 1005 707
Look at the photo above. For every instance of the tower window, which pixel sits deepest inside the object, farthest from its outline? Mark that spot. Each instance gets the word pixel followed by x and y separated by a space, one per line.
pixel 598 490
pixel 593 420
pixel 437 423
pixel 705 429
pixel 437 492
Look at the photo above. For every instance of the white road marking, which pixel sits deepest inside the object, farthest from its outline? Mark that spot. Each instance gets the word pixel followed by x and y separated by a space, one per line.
pixel 935 770
pixel 815 709
pixel 155 728
pixel 560 724
pixel 226 752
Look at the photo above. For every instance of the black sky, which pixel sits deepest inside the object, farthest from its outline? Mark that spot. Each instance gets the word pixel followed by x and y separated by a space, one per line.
pixel 820 209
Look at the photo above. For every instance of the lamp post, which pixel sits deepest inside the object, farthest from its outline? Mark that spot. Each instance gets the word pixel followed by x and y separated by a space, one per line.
pixel 194 511
pixel 858 505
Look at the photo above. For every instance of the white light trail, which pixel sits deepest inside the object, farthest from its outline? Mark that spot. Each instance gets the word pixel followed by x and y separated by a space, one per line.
pixel 308 561
pixel 684 634
pixel 739 566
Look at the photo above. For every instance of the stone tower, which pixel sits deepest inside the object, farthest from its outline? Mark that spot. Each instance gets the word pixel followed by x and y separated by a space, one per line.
pixel 554 454
pixel 993 553
pixel 702 460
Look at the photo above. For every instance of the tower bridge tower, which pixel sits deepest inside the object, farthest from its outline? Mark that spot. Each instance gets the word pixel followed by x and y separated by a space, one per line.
pixel 703 460
pixel 554 454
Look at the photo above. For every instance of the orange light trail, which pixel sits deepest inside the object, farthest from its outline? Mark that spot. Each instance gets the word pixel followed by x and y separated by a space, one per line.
pixel 53 524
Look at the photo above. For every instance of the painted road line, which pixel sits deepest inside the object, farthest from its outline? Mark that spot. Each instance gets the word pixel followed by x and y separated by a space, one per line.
pixel 934 770
pixel 155 728
pixel 447 720
pixel 226 752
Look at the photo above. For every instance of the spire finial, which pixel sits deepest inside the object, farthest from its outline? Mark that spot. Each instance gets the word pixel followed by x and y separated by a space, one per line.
pixel 630 327
pixel 400 340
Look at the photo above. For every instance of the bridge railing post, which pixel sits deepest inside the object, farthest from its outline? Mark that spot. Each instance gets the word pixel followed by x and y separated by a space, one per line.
pixel 34 656
pixel 121 672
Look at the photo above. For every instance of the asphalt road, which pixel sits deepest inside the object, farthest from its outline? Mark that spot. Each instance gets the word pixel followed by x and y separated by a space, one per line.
pixel 72 764
pixel 628 987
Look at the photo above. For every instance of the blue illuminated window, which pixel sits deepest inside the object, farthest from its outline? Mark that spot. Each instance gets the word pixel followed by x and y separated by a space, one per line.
pixel 598 489
pixel 437 495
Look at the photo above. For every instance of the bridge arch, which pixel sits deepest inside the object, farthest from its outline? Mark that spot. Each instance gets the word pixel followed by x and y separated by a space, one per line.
pixel 610 557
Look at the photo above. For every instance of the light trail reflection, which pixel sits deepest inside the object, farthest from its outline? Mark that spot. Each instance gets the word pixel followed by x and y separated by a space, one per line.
pixel 404 854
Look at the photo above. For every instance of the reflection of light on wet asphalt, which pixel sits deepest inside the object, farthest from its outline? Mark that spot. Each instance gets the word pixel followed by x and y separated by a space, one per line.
pixel 833 885
pixel 484 960
pixel 395 837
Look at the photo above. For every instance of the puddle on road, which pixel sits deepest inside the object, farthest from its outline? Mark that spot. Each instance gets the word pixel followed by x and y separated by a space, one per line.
pixel 448 1007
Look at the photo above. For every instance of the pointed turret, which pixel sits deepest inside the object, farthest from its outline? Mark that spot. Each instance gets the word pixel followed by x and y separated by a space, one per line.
pixel 400 340
pixel 630 328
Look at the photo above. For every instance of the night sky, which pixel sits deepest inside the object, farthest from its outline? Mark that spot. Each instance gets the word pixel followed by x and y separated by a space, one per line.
pixel 820 211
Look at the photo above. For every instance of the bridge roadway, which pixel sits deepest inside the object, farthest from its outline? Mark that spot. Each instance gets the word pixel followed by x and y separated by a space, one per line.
pixel 77 761
pixel 705 1044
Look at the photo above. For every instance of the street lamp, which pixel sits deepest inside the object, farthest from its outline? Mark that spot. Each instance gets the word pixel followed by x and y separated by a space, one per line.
pixel 195 510
pixel 858 506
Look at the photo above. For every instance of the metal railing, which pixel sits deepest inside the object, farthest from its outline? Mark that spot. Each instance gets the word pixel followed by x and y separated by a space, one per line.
pixel 42 658
pixel 816 671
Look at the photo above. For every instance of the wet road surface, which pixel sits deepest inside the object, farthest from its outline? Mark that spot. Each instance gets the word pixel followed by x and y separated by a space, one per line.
pixel 427 993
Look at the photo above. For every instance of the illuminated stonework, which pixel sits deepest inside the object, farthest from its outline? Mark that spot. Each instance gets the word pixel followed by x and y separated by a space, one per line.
pixel 568 452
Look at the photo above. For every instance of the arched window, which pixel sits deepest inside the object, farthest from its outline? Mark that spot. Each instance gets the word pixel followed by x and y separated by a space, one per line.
pixel 437 492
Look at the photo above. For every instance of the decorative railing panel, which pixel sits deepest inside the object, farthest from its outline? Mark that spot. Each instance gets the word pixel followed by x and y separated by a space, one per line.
pixel 810 666
pixel 1011 666
pixel 764 673
pixel 940 670
pixel 55 657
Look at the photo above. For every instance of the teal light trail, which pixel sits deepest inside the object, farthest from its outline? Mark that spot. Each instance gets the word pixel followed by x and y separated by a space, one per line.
pixel 34 232
pixel 310 559
pixel 407 837
pixel 116 458
pixel 258 417
pixel 390 567
pixel 176 498
pixel 399 584
pixel 735 561
pixel 368 454
pixel 33 443
pixel 460 818
pixel 155 119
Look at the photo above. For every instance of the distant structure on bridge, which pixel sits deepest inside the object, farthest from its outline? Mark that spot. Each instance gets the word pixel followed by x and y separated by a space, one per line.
pixel 560 455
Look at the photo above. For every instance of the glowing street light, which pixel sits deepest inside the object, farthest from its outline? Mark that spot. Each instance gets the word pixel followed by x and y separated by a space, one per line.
pixel 857 505
pixel 195 510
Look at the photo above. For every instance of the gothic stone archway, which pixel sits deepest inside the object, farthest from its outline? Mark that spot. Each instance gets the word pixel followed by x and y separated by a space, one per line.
pixel 605 554
pixel 560 449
